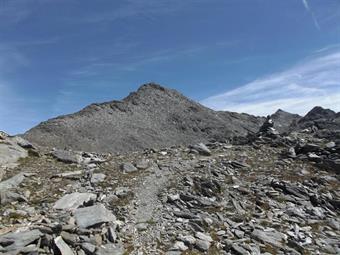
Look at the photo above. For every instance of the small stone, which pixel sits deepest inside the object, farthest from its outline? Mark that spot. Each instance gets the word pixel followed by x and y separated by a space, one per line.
pixel 188 240
pixel 203 236
pixel 142 164
pixel 62 246
pixel 88 248
pixel 330 145
pixel 202 245
pixel 70 239
pixel 98 178
pixel 110 249
pixel 238 233
pixel 220 233
pixel 7 197
pixel 128 168
pixel 202 149
pixel 112 236
pixel 142 226
pixel 180 246
pixel 334 224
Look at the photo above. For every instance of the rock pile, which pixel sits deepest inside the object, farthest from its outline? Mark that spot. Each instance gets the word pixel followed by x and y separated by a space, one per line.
pixel 214 198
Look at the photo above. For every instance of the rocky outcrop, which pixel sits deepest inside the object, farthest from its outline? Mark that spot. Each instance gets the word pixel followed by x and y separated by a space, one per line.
pixel 284 120
pixel 11 150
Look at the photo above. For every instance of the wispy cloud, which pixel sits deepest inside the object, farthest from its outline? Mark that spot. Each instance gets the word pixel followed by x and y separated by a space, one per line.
pixel 306 5
pixel 138 8
pixel 132 62
pixel 315 81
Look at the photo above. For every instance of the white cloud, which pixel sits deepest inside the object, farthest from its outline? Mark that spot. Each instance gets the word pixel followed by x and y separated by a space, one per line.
pixel 315 81
pixel 306 5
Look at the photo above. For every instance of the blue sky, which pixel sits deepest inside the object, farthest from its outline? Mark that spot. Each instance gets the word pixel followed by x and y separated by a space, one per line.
pixel 242 55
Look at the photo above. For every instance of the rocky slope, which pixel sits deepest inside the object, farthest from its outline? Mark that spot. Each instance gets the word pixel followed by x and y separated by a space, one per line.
pixel 273 195
pixel 151 117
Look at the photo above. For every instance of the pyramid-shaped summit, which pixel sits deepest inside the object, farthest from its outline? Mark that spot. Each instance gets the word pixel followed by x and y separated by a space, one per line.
pixel 151 117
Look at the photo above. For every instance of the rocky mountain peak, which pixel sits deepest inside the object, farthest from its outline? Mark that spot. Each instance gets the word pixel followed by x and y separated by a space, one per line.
pixel 152 116
pixel 319 113
pixel 283 120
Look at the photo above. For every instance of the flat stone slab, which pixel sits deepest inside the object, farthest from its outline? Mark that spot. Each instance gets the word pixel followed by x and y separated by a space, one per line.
pixel 93 215
pixel 74 200
pixel 67 156
pixel 18 240
pixel 273 238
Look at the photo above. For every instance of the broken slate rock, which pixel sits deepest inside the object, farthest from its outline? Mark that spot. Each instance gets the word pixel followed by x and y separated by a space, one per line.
pixel 202 245
pixel 93 215
pixel 88 248
pixel 142 164
pixel 17 240
pixel 273 238
pixel 202 149
pixel 204 236
pixel 128 168
pixel 67 156
pixel 74 200
pixel 8 196
pixel 98 178
pixel 62 246
pixel 12 182
pixel 110 249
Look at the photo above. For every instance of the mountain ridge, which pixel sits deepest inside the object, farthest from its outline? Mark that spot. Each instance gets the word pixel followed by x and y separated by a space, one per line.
pixel 151 117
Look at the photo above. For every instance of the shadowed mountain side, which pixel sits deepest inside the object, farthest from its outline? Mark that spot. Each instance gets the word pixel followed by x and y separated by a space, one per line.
pixel 151 117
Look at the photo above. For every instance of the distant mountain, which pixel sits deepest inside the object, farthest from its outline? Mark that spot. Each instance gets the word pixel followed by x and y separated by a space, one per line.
pixel 320 118
pixel 151 117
